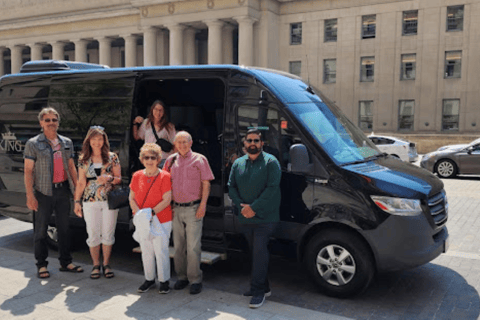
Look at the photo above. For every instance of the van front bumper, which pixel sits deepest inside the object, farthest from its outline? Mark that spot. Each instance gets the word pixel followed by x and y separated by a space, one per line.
pixel 406 242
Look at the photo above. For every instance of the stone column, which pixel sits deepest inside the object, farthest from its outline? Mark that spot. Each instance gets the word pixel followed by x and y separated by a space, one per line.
pixel 2 61
pixel 176 44
pixel 105 51
pixel 228 43
pixel 130 50
pixel 150 46
pixel 16 58
pixel 245 40
pixel 214 41
pixel 36 51
pixel 58 52
pixel 80 50
pixel 189 52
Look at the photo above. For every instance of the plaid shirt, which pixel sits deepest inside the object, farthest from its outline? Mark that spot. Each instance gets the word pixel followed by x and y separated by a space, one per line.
pixel 39 150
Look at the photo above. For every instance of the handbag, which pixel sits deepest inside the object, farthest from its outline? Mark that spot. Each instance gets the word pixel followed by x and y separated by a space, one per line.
pixel 118 197
pixel 166 145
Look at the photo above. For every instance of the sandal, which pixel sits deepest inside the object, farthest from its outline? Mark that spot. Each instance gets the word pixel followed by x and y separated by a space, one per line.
pixel 108 274
pixel 95 275
pixel 74 269
pixel 43 274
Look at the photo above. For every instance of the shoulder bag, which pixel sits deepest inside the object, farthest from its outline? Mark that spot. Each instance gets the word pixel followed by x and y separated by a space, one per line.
pixel 163 143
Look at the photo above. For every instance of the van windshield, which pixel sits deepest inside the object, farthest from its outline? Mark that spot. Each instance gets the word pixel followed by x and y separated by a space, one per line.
pixel 338 136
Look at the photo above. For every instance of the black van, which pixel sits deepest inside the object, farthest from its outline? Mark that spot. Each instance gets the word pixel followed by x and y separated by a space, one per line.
pixel 349 210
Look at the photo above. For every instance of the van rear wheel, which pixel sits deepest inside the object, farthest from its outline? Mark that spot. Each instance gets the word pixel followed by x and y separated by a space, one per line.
pixel 340 263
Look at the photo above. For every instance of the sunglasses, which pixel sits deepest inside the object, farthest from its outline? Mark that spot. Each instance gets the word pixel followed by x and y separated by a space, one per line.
pixel 97 127
pixel 253 140
pixel 150 158
pixel 48 120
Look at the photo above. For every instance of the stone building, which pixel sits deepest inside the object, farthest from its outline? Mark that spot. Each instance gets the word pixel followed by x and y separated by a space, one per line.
pixel 405 67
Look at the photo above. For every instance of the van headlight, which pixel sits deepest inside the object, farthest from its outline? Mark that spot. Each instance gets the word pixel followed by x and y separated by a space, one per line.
pixel 398 206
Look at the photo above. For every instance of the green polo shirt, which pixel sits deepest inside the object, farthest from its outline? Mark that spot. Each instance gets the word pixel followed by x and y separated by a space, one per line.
pixel 256 183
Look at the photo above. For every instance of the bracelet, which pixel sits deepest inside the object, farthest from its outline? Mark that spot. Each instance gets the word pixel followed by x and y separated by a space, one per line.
pixel 78 201
pixel 136 124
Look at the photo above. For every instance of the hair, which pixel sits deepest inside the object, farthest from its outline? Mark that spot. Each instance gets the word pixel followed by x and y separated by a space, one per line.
pixel 87 149
pixel 254 131
pixel 48 110
pixel 183 133
pixel 151 148
pixel 163 121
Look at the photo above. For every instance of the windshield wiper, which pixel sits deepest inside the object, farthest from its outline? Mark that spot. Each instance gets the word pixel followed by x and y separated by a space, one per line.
pixel 361 161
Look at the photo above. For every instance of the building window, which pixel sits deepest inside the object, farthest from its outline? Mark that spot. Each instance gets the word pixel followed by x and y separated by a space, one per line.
pixel 408 66
pixel 66 57
pixel 368 26
pixel 122 58
pixel 453 64
pixel 455 18
pixel 296 33
pixel 406 111
pixel 410 22
pixel 330 30
pixel 365 120
pixel 88 57
pixel 450 114
pixel 295 67
pixel 330 71
pixel 367 69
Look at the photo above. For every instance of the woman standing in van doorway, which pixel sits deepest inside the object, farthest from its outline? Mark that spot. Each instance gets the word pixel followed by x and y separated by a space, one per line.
pixel 98 170
pixel 155 126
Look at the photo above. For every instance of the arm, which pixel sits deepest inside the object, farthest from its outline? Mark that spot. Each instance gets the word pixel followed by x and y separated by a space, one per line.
pixel 273 185
pixel 136 126
pixel 72 170
pixel 32 202
pixel 203 203
pixel 133 203
pixel 81 183
pixel 233 188
pixel 166 199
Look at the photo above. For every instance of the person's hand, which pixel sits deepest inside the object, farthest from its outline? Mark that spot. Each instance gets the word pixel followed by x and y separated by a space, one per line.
pixel 32 202
pixel 138 119
pixel 201 211
pixel 247 211
pixel 78 210
pixel 103 179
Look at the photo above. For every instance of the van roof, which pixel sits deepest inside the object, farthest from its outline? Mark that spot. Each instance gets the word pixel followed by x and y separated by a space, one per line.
pixel 281 83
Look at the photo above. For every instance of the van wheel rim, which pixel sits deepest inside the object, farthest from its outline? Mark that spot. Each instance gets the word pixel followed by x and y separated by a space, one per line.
pixel 445 169
pixel 336 265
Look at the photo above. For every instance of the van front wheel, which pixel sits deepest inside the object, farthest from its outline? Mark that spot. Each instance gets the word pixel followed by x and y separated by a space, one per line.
pixel 340 263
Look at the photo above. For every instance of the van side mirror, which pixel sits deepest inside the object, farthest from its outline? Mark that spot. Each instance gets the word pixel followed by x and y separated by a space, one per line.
pixel 263 97
pixel 299 159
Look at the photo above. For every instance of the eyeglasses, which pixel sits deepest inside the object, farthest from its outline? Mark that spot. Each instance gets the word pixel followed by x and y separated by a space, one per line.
pixel 150 158
pixel 48 120
pixel 253 140
pixel 97 127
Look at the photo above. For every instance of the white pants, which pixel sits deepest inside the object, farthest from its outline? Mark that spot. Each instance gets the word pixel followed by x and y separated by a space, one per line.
pixel 155 252
pixel 101 223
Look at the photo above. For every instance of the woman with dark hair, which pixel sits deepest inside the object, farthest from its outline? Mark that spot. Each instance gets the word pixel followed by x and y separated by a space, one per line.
pixel 155 126
pixel 98 170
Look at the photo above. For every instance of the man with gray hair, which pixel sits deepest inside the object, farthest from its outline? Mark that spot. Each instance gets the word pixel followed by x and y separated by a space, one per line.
pixel 191 175
pixel 50 179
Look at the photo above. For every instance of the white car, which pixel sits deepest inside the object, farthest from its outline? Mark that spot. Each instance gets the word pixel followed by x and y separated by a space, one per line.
pixel 405 150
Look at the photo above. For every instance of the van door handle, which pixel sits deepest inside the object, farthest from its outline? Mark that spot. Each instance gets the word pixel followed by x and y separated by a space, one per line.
pixel 321 181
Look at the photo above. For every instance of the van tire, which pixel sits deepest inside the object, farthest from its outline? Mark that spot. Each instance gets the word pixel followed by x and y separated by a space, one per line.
pixel 357 268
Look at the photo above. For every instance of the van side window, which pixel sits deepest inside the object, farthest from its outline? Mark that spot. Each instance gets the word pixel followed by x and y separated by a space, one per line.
pixel 289 136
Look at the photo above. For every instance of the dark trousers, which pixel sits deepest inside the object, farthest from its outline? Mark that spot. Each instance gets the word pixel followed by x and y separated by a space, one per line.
pixel 60 204
pixel 258 236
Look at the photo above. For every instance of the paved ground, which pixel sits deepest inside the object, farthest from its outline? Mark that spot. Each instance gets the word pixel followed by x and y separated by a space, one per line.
pixel 446 288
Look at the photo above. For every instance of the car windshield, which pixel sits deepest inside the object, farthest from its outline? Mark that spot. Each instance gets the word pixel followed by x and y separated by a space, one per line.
pixel 339 137
pixel 474 142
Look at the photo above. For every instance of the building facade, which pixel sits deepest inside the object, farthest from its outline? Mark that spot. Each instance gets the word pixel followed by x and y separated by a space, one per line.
pixel 409 66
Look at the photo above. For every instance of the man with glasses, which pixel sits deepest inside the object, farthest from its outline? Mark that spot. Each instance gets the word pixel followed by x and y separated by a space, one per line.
pixel 50 179
pixel 254 187
pixel 191 175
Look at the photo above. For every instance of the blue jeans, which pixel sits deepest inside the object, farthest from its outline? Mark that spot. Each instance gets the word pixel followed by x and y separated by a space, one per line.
pixel 60 203
pixel 258 235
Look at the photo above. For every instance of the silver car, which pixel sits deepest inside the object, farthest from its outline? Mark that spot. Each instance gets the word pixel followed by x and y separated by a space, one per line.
pixel 448 161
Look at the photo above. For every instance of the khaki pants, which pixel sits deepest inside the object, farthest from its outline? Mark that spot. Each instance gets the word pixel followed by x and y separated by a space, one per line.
pixel 187 240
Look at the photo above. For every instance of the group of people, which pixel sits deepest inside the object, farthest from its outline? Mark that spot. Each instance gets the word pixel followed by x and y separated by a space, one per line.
pixel 169 194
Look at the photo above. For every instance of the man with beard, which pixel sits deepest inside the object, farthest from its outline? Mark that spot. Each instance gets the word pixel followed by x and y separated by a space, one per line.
pixel 254 187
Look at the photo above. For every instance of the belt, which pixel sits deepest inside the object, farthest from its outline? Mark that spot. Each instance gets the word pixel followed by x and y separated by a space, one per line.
pixel 60 185
pixel 186 204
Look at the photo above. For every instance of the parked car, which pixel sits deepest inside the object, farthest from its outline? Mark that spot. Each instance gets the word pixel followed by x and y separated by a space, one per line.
pixel 448 161
pixel 347 210
pixel 403 149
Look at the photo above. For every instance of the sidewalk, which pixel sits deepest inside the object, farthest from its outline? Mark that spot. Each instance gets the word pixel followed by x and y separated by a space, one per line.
pixel 75 296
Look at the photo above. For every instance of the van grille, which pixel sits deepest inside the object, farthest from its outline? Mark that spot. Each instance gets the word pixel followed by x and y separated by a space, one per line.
pixel 438 205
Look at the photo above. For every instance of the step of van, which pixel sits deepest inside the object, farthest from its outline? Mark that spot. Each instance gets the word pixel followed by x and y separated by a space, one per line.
pixel 206 257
